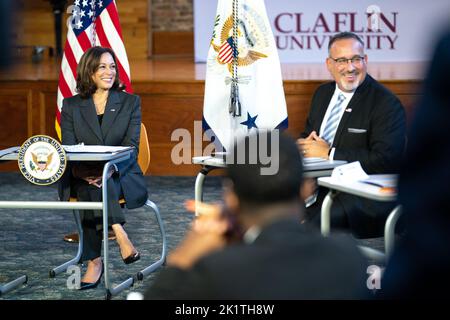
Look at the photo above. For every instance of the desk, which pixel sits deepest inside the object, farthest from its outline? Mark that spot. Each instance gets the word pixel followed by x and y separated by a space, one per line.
pixel 110 158
pixel 366 191
pixel 209 163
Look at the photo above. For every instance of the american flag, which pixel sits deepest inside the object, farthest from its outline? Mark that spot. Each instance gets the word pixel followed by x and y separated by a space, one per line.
pixel 226 51
pixel 92 23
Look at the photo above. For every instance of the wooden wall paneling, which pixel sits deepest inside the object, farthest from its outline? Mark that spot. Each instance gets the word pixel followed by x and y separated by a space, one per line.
pixel 48 108
pixel 16 112
pixel 150 29
pixel 298 109
pixel 42 113
pixel 410 102
pixel 173 43
pixel 162 115
pixel 409 93
pixel 28 108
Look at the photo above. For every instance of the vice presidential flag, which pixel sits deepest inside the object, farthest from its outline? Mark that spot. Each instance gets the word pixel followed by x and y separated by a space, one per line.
pixel 242 53
pixel 92 23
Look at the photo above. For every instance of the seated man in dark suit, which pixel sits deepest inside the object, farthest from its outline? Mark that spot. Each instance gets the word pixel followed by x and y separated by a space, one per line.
pixel 257 247
pixel 354 118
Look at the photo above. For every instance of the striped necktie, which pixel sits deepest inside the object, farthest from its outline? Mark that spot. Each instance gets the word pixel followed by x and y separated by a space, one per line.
pixel 333 120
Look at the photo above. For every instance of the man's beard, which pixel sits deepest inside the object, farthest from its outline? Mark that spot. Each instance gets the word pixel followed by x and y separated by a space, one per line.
pixel 350 86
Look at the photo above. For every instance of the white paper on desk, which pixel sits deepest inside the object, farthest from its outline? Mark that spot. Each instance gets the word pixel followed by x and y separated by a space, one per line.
pixel 349 172
pixel 78 148
pixel 8 151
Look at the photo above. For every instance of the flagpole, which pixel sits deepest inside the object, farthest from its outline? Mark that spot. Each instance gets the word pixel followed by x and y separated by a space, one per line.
pixel 235 104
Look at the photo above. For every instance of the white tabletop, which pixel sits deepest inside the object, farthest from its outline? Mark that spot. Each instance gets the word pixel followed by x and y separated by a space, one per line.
pixel 363 189
pixel 324 166
pixel 209 161
pixel 12 154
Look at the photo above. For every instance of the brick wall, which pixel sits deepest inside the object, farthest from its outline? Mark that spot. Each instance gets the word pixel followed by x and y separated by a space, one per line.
pixel 172 15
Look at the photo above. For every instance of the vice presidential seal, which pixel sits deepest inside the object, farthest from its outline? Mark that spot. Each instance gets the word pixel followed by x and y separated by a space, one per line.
pixel 42 160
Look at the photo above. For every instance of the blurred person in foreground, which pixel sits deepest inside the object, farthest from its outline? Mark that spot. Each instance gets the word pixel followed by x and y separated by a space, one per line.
pixel 254 245
pixel 420 265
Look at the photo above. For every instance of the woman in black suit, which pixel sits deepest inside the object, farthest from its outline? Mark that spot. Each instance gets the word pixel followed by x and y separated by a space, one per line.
pixel 102 114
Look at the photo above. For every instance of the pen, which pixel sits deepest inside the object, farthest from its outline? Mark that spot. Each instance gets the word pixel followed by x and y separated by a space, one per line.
pixel 373 184
pixel 382 188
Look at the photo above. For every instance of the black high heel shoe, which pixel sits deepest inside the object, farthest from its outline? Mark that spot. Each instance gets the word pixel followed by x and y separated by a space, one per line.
pixel 92 285
pixel 132 258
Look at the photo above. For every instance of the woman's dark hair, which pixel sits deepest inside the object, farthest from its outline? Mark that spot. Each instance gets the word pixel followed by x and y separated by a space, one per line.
pixel 88 65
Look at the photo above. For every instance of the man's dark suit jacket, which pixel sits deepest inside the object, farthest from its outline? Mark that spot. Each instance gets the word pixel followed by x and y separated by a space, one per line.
pixel 371 131
pixel 286 261
pixel 121 126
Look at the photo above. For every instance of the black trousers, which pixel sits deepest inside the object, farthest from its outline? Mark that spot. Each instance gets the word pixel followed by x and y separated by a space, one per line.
pixel 92 220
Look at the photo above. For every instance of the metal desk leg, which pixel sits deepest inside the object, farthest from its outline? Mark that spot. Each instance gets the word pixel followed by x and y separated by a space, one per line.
pixel 64 266
pixel 141 274
pixel 389 231
pixel 373 254
pixel 199 189
pixel 199 184
pixel 13 284
pixel 325 213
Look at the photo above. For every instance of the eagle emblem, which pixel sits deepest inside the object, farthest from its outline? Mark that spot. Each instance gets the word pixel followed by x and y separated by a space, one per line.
pixel 42 160
pixel 246 53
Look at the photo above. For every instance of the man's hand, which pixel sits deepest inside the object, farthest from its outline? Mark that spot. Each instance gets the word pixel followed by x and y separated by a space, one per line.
pixel 313 146
pixel 206 235
pixel 308 188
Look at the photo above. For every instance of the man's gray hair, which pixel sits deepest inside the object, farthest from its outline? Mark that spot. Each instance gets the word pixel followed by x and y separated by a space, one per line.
pixel 344 35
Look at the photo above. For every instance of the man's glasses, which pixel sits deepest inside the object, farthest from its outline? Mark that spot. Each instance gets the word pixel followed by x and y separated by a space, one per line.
pixel 342 62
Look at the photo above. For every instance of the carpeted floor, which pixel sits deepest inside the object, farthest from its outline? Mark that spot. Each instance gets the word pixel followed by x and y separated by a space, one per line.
pixel 31 240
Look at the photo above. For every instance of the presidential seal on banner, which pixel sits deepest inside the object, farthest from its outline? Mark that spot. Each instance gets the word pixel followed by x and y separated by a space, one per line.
pixel 42 160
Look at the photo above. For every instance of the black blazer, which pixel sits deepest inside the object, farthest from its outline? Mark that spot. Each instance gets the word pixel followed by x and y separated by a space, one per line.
pixel 286 261
pixel 379 119
pixel 121 126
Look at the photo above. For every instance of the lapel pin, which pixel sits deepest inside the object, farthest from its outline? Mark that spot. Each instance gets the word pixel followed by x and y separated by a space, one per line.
pixel 112 110
pixel 348 110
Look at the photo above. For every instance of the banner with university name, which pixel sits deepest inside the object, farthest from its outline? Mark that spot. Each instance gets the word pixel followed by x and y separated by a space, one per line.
pixel 392 30
pixel 242 52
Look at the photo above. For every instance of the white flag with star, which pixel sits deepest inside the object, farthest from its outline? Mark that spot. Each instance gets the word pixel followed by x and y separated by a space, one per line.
pixel 260 85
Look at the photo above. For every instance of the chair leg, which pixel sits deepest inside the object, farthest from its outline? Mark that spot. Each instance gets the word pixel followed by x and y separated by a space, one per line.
pixel 5 288
pixel 373 254
pixel 77 258
pixel 141 274
pixel 389 230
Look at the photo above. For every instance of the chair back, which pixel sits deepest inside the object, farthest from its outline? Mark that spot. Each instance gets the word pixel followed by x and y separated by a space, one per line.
pixel 144 150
